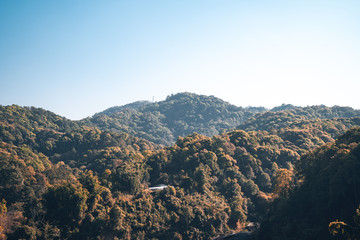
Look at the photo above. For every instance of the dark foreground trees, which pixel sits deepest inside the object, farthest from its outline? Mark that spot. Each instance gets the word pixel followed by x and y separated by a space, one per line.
pixel 327 196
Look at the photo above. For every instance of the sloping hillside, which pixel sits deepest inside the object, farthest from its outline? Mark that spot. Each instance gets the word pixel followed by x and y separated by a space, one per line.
pixel 288 116
pixel 185 113
pixel 179 115
pixel 329 190
pixel 62 179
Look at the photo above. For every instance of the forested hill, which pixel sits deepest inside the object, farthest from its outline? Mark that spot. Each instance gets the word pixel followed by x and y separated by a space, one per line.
pixel 179 115
pixel 135 105
pixel 325 202
pixel 62 179
pixel 63 140
pixel 289 116
pixel 185 113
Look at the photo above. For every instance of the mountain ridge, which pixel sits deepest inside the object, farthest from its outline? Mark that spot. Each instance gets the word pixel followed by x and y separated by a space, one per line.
pixel 63 179
pixel 185 113
pixel 179 115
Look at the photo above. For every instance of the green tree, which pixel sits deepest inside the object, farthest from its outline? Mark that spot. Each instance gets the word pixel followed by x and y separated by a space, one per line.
pixel 65 204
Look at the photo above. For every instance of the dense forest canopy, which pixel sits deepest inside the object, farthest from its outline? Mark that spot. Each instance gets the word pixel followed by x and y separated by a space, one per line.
pixel 329 192
pixel 292 169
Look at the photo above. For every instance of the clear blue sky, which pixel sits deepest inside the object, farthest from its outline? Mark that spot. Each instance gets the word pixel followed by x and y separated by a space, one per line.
pixel 79 57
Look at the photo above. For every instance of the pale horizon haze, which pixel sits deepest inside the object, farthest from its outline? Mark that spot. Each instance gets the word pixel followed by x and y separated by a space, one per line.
pixel 76 58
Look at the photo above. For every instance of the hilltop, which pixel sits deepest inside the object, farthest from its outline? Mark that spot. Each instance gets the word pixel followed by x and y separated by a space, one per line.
pixel 177 116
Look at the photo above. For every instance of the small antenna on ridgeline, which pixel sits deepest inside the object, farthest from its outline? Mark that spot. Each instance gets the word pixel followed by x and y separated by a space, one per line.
pixel 153 99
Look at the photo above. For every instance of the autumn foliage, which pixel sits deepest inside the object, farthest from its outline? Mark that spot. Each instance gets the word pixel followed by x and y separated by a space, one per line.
pixel 90 179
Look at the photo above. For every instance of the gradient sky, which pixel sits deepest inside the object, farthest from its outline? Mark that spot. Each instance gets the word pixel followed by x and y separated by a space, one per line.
pixel 79 57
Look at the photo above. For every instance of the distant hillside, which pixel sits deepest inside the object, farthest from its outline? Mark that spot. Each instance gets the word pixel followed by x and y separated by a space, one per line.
pixel 289 116
pixel 135 105
pixel 63 140
pixel 185 113
pixel 179 115
pixel 32 118
pixel 20 125
pixel 283 107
